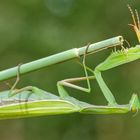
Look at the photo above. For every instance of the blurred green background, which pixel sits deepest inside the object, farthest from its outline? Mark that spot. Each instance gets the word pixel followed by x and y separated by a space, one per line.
pixel 32 29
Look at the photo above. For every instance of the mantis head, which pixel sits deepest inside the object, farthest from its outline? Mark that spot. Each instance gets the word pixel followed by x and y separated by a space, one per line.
pixel 136 24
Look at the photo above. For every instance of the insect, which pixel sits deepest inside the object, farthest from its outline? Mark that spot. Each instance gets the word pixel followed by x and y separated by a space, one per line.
pixel 41 102
pixel 32 101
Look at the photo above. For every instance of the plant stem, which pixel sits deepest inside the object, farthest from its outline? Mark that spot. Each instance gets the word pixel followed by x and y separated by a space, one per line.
pixel 60 57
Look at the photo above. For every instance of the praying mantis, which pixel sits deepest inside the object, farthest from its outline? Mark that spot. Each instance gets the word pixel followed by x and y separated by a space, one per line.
pixel 31 101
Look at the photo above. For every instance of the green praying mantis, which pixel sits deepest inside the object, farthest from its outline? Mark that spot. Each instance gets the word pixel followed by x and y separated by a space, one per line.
pixel 31 101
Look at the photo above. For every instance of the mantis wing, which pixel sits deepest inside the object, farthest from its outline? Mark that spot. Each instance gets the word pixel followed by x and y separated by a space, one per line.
pixel 43 104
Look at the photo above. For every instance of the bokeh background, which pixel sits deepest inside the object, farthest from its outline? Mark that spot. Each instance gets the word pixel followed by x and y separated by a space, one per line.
pixel 32 29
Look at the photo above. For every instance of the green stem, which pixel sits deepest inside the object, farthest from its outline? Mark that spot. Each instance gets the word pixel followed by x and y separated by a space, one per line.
pixel 60 57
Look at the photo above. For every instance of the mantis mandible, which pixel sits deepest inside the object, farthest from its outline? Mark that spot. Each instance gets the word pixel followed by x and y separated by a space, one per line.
pixel 42 103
